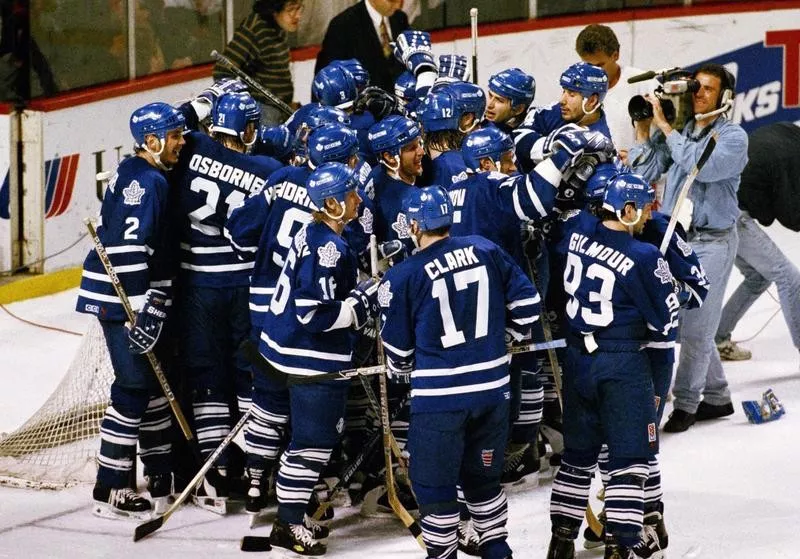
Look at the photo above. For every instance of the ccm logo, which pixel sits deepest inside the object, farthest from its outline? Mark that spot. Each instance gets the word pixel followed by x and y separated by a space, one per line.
pixel 93 308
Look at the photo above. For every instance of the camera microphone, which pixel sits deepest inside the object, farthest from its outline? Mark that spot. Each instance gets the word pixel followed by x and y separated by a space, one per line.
pixel 642 77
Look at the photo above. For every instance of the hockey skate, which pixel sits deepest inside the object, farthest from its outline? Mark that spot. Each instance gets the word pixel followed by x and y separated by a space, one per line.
pixel 123 503
pixel 654 537
pixel 161 492
pixel 561 547
pixel 376 499
pixel 592 540
pixel 468 539
pixel 212 493
pixel 297 538
pixel 521 466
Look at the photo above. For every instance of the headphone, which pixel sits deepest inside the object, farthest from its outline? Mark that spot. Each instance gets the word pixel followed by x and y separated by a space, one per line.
pixel 727 83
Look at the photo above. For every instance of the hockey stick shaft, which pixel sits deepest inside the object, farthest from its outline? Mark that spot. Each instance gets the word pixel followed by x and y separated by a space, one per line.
pixel 684 192
pixel 473 20
pixel 391 490
pixel 251 83
pixel 376 406
pixel 147 528
pixel 126 304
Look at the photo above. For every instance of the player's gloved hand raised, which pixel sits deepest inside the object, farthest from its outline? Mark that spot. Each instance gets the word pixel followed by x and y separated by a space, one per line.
pixel 363 302
pixel 378 102
pixel 394 250
pixel 143 335
pixel 454 66
pixel 413 49
pixel 225 85
pixel 569 145
pixel 549 140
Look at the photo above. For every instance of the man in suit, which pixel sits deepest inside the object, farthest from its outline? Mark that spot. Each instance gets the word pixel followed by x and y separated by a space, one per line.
pixel 364 32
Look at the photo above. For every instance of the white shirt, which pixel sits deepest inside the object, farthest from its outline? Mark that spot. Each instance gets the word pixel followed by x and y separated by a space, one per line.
pixel 376 21
pixel 615 106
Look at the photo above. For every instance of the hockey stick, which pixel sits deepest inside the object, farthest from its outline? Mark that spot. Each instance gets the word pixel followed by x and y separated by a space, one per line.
pixel 376 407
pixel 684 192
pixel 391 491
pixel 251 83
pixel 126 304
pixel 473 20
pixel 146 528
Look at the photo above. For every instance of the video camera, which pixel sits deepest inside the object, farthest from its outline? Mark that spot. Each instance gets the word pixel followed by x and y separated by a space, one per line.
pixel 675 90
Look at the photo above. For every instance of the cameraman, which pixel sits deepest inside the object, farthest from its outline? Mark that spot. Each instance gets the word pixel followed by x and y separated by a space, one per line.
pixel 711 230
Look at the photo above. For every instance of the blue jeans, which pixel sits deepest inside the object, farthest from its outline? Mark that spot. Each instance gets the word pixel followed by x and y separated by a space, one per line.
pixel 699 371
pixel 761 263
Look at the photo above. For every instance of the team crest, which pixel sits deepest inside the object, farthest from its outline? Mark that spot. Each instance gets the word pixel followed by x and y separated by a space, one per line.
pixel 385 294
pixel 328 255
pixel 401 226
pixel 366 221
pixel 662 271
pixel 133 194
pixel 685 248
pixel 486 457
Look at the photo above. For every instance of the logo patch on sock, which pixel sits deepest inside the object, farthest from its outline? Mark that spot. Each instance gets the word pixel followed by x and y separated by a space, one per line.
pixel 486 457
pixel 651 432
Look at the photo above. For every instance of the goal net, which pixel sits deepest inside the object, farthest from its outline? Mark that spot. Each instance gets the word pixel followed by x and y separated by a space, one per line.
pixel 57 447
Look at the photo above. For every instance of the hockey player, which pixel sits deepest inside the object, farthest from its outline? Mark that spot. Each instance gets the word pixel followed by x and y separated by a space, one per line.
pixel 214 175
pixel 132 229
pixel 511 92
pixel 583 88
pixel 608 385
pixel 405 91
pixel 307 331
pixel 436 309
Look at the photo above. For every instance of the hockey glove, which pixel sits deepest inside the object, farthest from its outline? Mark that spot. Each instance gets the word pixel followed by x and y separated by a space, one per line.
pixel 142 337
pixel 569 145
pixel 399 372
pixel 392 250
pixel 225 85
pixel 375 100
pixel 454 66
pixel 413 49
pixel 549 140
pixel 363 302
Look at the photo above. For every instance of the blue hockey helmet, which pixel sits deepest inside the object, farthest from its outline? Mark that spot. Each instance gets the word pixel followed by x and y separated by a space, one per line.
pixel 275 141
pixel 231 114
pixel 405 88
pixel 391 134
pixel 330 180
pixel 469 97
pixel 331 142
pixel 357 70
pixel 334 86
pixel 587 79
pixel 156 119
pixel 304 120
pixel 430 207
pixel 488 142
pixel 595 188
pixel 439 111
pixel 515 85
pixel 627 188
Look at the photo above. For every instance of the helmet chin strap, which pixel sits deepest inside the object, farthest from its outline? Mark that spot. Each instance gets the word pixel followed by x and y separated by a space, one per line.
pixel 395 167
pixel 157 154
pixel 339 218
pixel 583 107
pixel 630 223
pixel 471 127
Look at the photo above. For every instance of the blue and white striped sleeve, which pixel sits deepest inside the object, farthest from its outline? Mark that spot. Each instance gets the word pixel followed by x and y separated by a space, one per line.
pixel 523 303
pixel 244 226
pixel 397 329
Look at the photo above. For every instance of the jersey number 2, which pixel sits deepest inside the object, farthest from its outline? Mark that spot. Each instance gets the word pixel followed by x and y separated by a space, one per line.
pixel 452 335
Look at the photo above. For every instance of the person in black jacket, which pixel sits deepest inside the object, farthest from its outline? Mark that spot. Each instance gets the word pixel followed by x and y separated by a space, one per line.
pixel 768 191
pixel 364 32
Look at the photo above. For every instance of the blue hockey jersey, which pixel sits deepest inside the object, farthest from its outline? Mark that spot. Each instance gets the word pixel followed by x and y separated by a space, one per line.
pixel 132 228
pixel 212 180
pixel 443 311
pixel 390 219
pixel 618 287
pixel 539 122
pixel 447 169
pixel 307 328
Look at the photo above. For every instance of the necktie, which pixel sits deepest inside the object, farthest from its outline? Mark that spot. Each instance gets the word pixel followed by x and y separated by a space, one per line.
pixel 385 39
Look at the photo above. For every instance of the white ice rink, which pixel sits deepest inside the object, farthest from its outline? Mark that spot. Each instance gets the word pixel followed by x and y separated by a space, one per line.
pixel 732 490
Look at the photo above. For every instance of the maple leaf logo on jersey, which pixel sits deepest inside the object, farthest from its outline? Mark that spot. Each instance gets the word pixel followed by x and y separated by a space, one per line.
pixel 401 226
pixel 366 221
pixel 133 194
pixel 685 248
pixel 385 294
pixel 300 240
pixel 662 271
pixel 328 255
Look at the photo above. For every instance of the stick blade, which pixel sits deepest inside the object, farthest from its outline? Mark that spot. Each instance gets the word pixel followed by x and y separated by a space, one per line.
pixel 255 543
pixel 146 528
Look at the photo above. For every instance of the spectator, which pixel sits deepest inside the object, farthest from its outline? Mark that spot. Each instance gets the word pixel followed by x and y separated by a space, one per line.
pixel 19 54
pixel 364 32
pixel 260 47
pixel 711 231
pixel 772 174
pixel 598 45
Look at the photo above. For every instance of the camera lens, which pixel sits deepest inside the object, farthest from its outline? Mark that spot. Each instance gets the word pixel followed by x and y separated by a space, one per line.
pixel 639 108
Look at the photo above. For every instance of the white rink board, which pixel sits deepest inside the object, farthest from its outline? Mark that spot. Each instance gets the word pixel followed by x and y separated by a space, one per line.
pixel 646 44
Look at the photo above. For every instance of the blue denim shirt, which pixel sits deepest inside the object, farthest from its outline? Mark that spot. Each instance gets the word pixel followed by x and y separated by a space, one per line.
pixel 714 190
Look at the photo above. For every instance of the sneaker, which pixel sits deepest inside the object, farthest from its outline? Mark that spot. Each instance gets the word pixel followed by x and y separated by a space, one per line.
pixel 730 351
pixel 654 538
pixel 521 464
pixel 679 421
pixel 120 503
pixel 468 540
pixel 707 411
pixel 561 548
pixel 296 538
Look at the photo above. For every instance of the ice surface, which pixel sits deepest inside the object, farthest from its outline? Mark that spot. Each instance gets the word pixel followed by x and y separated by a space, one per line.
pixel 731 489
